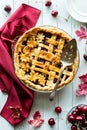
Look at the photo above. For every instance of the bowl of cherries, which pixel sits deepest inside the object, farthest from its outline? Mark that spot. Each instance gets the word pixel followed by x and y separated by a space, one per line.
pixel 77 117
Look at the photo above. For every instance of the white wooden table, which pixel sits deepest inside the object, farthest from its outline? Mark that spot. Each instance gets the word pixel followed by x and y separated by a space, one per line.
pixel 66 98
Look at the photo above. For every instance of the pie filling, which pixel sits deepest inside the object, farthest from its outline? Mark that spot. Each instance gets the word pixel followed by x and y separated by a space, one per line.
pixel 37 58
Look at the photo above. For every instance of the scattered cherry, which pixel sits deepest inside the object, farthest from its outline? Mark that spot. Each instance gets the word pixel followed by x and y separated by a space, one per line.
pixel 58 109
pixel 54 13
pixel 71 118
pixel 85 56
pixel 84 109
pixel 79 118
pixel 51 121
pixel 7 8
pixel 79 109
pixel 73 127
pixel 48 3
pixel 74 113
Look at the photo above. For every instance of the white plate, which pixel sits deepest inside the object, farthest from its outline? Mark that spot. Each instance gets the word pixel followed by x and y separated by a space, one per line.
pixel 77 9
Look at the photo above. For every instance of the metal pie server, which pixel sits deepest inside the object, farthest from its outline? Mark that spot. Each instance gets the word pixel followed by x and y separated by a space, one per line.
pixel 67 58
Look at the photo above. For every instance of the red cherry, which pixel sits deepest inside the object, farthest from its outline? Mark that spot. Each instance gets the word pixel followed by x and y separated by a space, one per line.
pixel 54 13
pixel 74 113
pixel 71 118
pixel 51 121
pixel 7 8
pixel 78 110
pixel 48 3
pixel 84 109
pixel 79 118
pixel 58 109
pixel 85 57
pixel 73 127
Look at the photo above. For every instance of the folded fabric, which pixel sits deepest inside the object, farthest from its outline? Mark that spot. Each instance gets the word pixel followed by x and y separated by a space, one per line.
pixel 20 98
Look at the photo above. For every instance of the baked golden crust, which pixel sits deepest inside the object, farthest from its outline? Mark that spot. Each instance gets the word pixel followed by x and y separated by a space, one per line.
pixel 37 58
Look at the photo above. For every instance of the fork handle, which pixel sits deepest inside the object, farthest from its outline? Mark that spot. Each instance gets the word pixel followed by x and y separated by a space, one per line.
pixel 51 97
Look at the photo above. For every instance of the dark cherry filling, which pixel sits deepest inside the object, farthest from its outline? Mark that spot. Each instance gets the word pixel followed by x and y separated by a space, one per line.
pixel 55 80
pixel 66 77
pixel 33 57
pixel 70 69
pixel 55 47
pixel 24 43
pixel 41 60
pixel 38 66
pixel 44 49
pixel 58 37
pixel 30 64
pixel 65 42
pixel 62 76
pixel 19 58
pixel 46 77
pixel 46 43
pixel 59 65
pixel 28 72
pixel 57 73
pixel 37 83
pixel 19 53
pixel 48 35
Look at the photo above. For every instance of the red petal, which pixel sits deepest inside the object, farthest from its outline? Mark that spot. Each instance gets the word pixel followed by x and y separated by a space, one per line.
pixel 36 115
pixel 82 37
pixel 83 78
pixel 82 88
pixel 82 33
pixel 82 29
pixel 31 122
pixel 37 121
pixel 80 93
pixel 78 33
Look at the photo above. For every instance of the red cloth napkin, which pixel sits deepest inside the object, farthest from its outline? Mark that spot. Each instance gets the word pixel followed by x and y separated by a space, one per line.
pixel 20 98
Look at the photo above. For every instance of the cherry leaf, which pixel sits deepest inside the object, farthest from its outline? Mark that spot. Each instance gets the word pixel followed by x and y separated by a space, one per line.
pixel 16 111
pixel 82 88
pixel 82 33
pixel 36 121
pixel 83 78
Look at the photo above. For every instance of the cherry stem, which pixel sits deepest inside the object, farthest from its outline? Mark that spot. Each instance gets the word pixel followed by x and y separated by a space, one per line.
pixel 66 19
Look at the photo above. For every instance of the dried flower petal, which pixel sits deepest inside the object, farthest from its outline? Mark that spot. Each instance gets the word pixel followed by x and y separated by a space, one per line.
pixel 83 78
pixel 82 29
pixel 16 112
pixel 82 33
pixel 82 88
pixel 36 121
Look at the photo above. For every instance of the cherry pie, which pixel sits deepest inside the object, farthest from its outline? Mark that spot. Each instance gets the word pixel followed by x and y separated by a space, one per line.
pixel 37 58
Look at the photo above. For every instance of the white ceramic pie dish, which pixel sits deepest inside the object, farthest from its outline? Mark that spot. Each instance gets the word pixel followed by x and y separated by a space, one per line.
pixel 48 91
pixel 77 9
